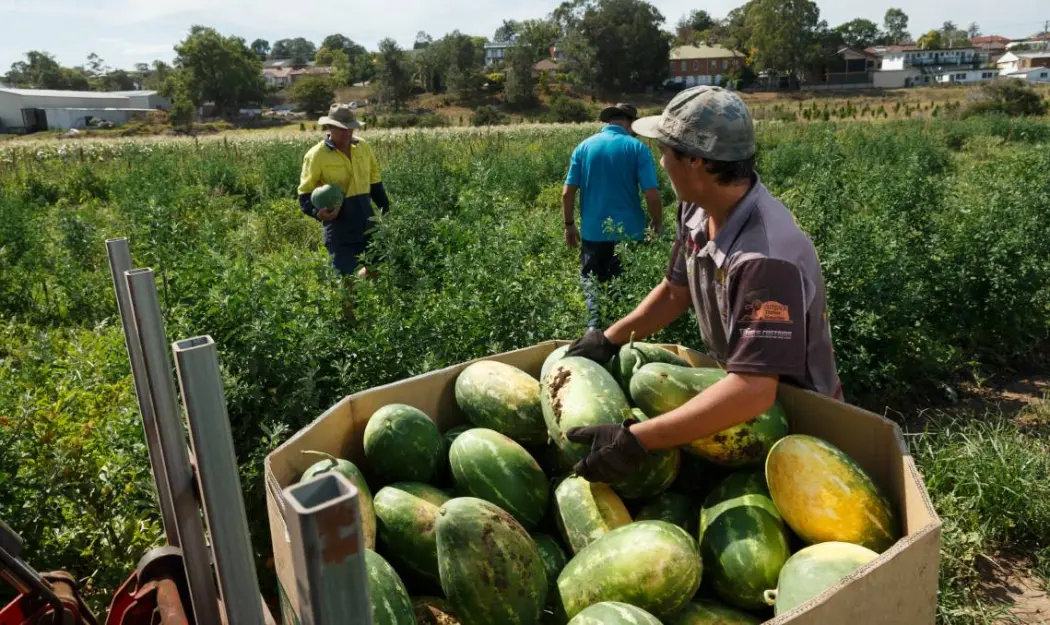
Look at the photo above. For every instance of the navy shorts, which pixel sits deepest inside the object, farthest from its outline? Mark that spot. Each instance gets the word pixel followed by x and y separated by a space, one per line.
pixel 599 258
pixel 346 255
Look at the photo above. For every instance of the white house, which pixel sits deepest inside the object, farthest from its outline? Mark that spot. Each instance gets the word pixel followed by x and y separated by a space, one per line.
pixel 1032 74
pixel 965 76
pixel 41 109
pixel 902 57
pixel 496 51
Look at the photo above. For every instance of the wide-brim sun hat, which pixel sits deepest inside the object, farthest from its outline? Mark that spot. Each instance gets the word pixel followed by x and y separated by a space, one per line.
pixel 340 116
pixel 619 109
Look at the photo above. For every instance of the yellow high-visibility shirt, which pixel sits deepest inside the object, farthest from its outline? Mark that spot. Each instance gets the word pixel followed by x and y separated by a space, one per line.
pixel 324 164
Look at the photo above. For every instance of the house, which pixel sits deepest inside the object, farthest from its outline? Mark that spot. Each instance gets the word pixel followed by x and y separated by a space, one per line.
pixel 31 110
pixel 279 76
pixel 964 76
pixel 496 51
pixel 909 66
pixel 1032 74
pixel 296 74
pixel 990 43
pixel 703 65
pixel 1012 62
pixel 850 66
pixel 546 66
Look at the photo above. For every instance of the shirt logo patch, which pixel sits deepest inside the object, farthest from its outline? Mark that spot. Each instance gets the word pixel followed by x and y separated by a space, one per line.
pixel 769 312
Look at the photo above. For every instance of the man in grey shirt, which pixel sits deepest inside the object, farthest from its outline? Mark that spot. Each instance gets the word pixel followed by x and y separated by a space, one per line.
pixel 748 271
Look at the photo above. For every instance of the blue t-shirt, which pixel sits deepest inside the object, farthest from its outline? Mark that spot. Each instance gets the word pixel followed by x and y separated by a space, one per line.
pixel 608 167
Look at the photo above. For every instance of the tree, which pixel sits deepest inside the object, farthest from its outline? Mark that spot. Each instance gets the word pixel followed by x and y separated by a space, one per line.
pixel 783 35
pixel 117 80
pixel 520 86
pixel 223 70
pixel 731 32
pixel 535 38
pixel 859 33
pixel 422 40
pixel 299 50
pixel 506 31
pixel 896 24
pixel 261 48
pixel 337 60
pixel 630 49
pixel 973 31
pixel 157 76
pixel 395 79
pixel 932 40
pixel 313 94
pixel 96 66
pixel 40 70
pixel 347 45
pixel 691 25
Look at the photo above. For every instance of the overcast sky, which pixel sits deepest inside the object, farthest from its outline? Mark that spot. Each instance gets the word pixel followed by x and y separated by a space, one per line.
pixel 124 32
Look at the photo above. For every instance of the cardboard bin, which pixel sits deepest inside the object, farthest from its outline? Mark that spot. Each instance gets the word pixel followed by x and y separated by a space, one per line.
pixel 897 588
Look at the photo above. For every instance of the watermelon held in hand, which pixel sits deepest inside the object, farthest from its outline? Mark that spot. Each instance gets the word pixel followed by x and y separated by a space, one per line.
pixel 329 196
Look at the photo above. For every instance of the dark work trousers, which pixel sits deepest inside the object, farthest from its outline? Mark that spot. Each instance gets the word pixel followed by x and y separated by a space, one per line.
pixel 599 264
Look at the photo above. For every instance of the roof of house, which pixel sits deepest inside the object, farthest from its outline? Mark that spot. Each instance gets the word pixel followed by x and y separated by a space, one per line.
pixel 683 53
pixel 56 93
pixel 139 92
pixel 309 71
pixel 854 52
pixel 1033 55
pixel 986 39
pixel 277 72
pixel 1028 70
pixel 545 65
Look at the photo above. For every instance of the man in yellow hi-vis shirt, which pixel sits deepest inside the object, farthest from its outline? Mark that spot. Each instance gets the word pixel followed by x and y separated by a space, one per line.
pixel 346 161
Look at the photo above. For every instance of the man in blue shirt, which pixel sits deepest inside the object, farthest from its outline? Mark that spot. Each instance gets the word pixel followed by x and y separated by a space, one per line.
pixel 607 168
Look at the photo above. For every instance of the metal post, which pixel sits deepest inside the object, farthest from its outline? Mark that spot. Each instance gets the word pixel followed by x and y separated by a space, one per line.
pixel 328 551
pixel 197 366
pixel 142 288
pixel 119 262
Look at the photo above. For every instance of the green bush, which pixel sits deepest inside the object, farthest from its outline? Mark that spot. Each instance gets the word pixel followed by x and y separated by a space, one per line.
pixel 487 116
pixel 565 109
pixel 412 120
pixel 1010 96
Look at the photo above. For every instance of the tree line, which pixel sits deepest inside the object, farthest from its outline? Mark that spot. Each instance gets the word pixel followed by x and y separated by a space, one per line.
pixel 607 47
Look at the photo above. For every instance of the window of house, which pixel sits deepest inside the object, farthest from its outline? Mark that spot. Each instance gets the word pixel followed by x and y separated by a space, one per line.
pixel 725 65
pixel 685 65
pixel 960 77
pixel 696 65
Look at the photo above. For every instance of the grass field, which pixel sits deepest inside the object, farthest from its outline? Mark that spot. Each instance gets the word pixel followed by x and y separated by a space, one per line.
pixel 932 236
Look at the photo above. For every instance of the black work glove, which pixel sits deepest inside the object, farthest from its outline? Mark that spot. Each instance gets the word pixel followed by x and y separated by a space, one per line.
pixel 595 346
pixel 615 452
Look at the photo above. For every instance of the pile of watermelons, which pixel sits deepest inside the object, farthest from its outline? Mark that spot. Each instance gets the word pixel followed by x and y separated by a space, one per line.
pixel 486 525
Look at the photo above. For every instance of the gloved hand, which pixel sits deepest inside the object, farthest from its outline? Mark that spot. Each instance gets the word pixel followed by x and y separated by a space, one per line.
pixel 615 451
pixel 595 346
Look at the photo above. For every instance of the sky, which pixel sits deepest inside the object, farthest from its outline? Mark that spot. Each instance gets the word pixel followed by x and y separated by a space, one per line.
pixel 124 32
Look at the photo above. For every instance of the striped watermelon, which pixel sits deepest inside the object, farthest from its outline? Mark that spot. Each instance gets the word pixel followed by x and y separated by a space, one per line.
pixel 504 398
pixel 402 444
pixel 824 495
pixel 453 433
pixel 708 612
pixel 491 570
pixel 352 473
pixel 674 508
pixel 578 392
pixel 814 569
pixel 614 613
pixel 653 565
pixel 636 354
pixel 585 511
pixel 658 388
pixel 654 476
pixel 434 611
pixel 554 558
pixel 552 358
pixel 406 513
pixel 490 466
pixel 391 604
pixel 743 540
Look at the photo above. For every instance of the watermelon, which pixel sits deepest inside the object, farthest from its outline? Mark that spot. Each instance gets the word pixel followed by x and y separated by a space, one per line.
pixel 364 495
pixel 552 358
pixel 491 570
pixel 554 558
pixel 674 508
pixel 614 613
pixel 434 611
pixel 814 569
pixel 824 495
pixel 652 565
pixel 634 355
pixel 490 466
pixel 658 388
pixel 391 604
pixel 453 433
pixel 585 511
pixel 708 612
pixel 504 398
pixel 578 392
pixel 743 540
pixel 402 444
pixel 654 476
pixel 406 513
pixel 328 196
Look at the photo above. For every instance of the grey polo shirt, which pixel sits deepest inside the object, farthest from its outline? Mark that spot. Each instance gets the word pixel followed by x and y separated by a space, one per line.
pixel 758 292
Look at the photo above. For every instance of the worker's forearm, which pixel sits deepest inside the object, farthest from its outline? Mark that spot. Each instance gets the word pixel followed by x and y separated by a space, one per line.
pixel 658 310
pixel 656 209
pixel 568 204
pixel 730 401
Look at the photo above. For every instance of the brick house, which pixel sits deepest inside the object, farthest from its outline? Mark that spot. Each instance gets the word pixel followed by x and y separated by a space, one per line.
pixel 703 65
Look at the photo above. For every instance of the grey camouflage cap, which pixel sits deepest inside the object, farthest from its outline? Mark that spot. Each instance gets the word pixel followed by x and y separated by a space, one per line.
pixel 705 122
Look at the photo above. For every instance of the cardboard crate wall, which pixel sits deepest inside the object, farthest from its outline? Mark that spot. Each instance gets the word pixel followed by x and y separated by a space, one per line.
pixel 898 588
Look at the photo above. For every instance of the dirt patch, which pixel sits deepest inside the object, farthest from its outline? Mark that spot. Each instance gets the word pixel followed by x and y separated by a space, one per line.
pixel 561 378
pixel 1006 582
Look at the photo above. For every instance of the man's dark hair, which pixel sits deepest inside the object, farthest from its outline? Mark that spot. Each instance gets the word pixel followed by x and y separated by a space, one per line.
pixel 726 172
